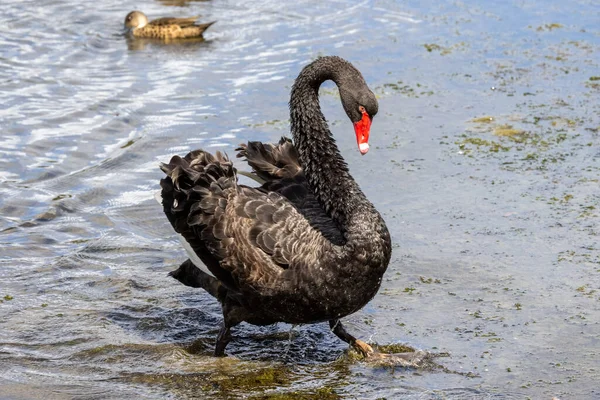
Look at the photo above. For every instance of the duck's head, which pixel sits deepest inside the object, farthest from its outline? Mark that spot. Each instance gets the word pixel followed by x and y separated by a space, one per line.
pixel 135 19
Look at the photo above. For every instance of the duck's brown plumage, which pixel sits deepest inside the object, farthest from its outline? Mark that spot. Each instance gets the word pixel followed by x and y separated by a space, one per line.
pixel 164 28
pixel 306 246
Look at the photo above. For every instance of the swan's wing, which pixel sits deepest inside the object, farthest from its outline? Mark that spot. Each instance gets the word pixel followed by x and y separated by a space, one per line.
pixel 297 192
pixel 182 22
pixel 271 161
pixel 279 167
pixel 245 236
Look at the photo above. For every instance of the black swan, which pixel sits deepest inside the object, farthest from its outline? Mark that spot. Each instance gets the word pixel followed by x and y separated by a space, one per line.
pixel 305 247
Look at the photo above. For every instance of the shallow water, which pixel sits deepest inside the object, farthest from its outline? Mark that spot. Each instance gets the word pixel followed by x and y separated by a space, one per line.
pixel 484 162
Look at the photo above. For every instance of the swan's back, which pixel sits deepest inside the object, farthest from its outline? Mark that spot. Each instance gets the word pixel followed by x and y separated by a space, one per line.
pixel 278 166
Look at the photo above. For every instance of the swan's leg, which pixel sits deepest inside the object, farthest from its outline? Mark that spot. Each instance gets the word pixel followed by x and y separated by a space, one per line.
pixel 223 339
pixel 233 314
pixel 360 346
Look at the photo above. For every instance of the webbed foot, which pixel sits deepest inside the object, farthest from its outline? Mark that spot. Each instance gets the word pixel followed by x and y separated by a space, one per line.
pixel 413 359
pixel 363 348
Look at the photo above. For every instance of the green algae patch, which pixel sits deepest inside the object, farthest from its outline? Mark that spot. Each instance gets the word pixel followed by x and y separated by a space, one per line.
pixel 538 143
pixel 395 348
pixel 100 350
pixel 324 393
pixel 270 376
pixel 549 27
pixel 508 130
pixel 200 346
pixel 563 122
pixel 492 146
pixel 483 120
pixel 415 90
pixel 594 78
pixel 251 381
pixel 430 47
pixel 442 50
pixel 221 381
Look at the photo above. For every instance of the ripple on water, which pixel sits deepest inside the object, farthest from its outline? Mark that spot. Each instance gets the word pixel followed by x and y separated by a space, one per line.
pixel 86 306
pixel 90 113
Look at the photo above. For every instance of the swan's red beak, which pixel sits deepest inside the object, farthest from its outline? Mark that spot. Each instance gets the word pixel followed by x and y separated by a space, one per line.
pixel 362 129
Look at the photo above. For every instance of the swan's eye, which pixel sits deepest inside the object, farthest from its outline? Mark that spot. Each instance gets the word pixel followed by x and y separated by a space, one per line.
pixel 362 109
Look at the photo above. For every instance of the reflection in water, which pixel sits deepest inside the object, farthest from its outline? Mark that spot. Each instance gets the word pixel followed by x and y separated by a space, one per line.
pixel 189 43
pixel 495 240
pixel 180 3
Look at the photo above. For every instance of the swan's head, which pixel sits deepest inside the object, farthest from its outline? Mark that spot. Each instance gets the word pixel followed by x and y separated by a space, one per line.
pixel 361 106
pixel 136 19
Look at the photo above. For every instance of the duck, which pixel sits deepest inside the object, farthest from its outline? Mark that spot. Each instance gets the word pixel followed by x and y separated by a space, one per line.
pixel 304 247
pixel 164 28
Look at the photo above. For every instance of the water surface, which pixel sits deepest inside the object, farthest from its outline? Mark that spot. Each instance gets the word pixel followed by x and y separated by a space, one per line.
pixel 484 162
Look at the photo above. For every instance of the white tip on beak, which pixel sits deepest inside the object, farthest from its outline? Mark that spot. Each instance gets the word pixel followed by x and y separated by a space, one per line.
pixel 363 147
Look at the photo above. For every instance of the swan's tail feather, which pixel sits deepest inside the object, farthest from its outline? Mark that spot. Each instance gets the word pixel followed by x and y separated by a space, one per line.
pixel 271 161
pixel 199 168
pixel 194 196
pixel 188 248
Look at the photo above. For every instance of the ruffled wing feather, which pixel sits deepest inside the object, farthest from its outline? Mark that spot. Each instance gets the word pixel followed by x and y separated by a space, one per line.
pixel 182 22
pixel 245 236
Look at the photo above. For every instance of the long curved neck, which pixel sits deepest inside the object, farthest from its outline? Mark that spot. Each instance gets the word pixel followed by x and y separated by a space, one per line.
pixel 325 169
